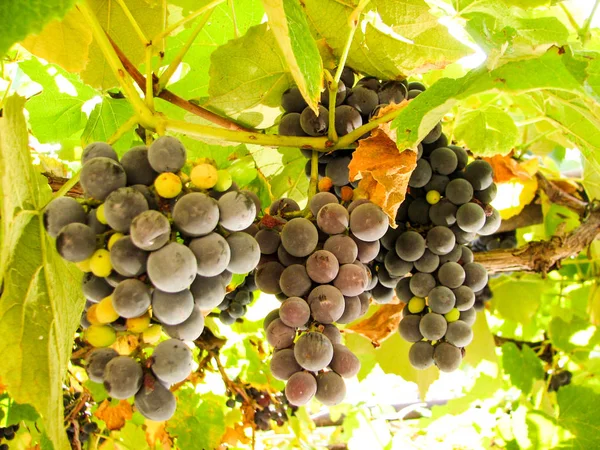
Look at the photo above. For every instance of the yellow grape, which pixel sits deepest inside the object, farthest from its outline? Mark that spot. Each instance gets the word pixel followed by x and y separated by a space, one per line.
pixel 416 305
pixel 453 315
pixel 433 197
pixel 84 265
pixel 91 315
pixel 100 215
pixel 138 324
pixel 100 263
pixel 168 185
pixel 105 312
pixel 224 182
pixel 100 335
pixel 114 238
pixel 152 334
pixel 204 176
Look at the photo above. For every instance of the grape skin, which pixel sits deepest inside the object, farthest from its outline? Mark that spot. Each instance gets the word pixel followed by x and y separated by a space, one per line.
pixel 290 125
pixel 97 361
pixel 98 149
pixel 364 100
pixel 208 292
pixel 294 312
pixel 322 266
pixel 409 328
pixel 167 154
pixel 313 124
pixel 344 362
pixel 155 403
pixel 283 206
pixel 286 259
pixel 392 92
pixel 441 300
pixel 470 217
pixel 268 241
pixel 188 330
pixel 492 223
pixel 100 176
pixel 150 230
pixel 122 377
pixel 418 211
pixel 294 281
pixel 313 351
pixel 122 206
pixel 196 214
pixel 212 253
pixel 333 218
pixel 368 222
pixel 237 211
pixel 279 335
pixel 93 222
pixel 459 334
pixel 61 212
pixel 476 276
pixel 367 251
pixel 340 95
pixel 443 161
pixel 447 357
pixel 451 275
pixel 326 303
pixel 352 309
pixel 440 240
pixel 76 242
pixel 292 100
pixel 468 316
pixel 462 156
pixel 396 266
pixel 267 277
pixel 420 355
pixel 443 213
pixel 245 253
pixel 410 246
pixel 437 183
pixel 453 256
pixel 137 166
pixel 172 308
pixel 403 291
pixel 465 298
pixel 333 334
pixel 337 170
pixel 343 247
pixel 459 191
pixel 467 255
pixel 421 175
pixel 283 364
pixel 432 326
pixel 428 263
pixel 172 361
pixel 347 119
pixel 300 388
pixel 95 288
pixel 321 199
pixel 299 237
pixel 351 280
pixel 270 318
pixel 172 268
pixel 331 388
pixel 421 284
pixel 131 298
pixel 463 237
pixel 480 174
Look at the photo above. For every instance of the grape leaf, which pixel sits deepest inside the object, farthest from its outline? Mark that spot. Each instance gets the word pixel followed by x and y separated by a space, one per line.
pixel 105 119
pixel 22 17
pixel 239 83
pixel 288 22
pixel 41 303
pixel 381 325
pixel 506 168
pixel 55 47
pixel 291 181
pixel 522 366
pixel 116 416
pixel 56 113
pixel 483 346
pixel 578 413
pixel 486 131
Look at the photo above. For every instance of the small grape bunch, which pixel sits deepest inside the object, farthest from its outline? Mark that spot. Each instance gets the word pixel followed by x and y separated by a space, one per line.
pixel 158 247
pixel 235 304
pixel 267 407
pixel 8 433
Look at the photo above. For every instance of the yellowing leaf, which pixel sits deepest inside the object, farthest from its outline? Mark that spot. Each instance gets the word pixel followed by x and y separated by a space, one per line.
pixel 64 42
pixel 513 196
pixel 381 325
pixel 506 168
pixel 114 416
pixel 594 306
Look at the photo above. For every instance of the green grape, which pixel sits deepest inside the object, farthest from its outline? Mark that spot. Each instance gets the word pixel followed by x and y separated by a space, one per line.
pixel 224 181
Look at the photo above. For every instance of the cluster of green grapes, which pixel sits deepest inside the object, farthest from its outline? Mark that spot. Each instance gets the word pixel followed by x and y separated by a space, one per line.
pixel 357 101
pixel 157 247
pixel 428 254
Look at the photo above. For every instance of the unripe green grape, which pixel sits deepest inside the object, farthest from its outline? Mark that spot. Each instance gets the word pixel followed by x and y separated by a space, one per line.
pixel 100 335
pixel 452 316
pixel 416 305
pixel 224 181
pixel 204 176
pixel 168 185
pixel 100 264
pixel 433 197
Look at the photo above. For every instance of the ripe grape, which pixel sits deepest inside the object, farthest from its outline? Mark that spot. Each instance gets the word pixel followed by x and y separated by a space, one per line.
pixel 343 247
pixel 289 125
pixel 344 362
pixel 432 326
pixel 339 96
pixel 347 76
pixel 155 402
pixel 286 259
pixel 127 259
pixel 453 256
pixel 451 274
pixel 313 351
pixel 332 333
pixel 237 211
pixel 212 254
pixel 447 357
pixel 437 183
pixel 322 266
pixel 279 335
pixel 137 166
pixel 172 361
pixel 421 284
pixel 333 218
pixel 282 206
pixel 188 330
pixel 459 191
pixel 283 364
pixel 300 388
pixel 294 312
pixel 467 255
pixel 351 280
pixel 352 309
pixel 492 223
pixel 131 298
pixel 150 230
pixel 268 241
pixel 385 279
pixel 441 300
pixel 196 214
pixel 440 240
pixel 76 242
pixel 409 328
pixel 172 308
pixel 122 206
pixel 410 246
pixel 347 119
pixel 167 154
pixel 292 100
pixel 420 355
pixel 421 175
pixel 294 281
pixel 172 268
pixel 95 288
pixel 368 222
pixel 392 92
pixel 93 222
pixel 480 174
pixel 443 160
pixel 122 377
pixel 470 217
pixel 475 276
pixel 363 99
pixel 487 195
pixel 468 316
pixel 433 135
pixel 370 83
pixel 245 253
pixel 97 361
pixel 326 303
pixel 98 149
pixel 337 171
pixel 418 211
pixel 367 251
pixel 313 124
pixel 388 241
pixel 443 213
pixel 299 237
pixel 331 388
pixel 459 334
pixel 61 212
pixel 428 263
pixel 208 292
pixel 267 277
pixel 319 200
pixel 462 156
pixel 100 176
pixel 396 266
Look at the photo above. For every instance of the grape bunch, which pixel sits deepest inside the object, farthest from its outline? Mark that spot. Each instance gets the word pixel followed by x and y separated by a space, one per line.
pixel 8 433
pixel 158 247
pixel 235 304
pixel 428 258
pixel 266 407
pixel 318 270
pixel 358 100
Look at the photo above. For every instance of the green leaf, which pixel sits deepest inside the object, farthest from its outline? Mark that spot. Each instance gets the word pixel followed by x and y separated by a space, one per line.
pixel 578 413
pixel 239 83
pixel 132 436
pixel 575 336
pixel 288 22
pixel 509 295
pixel 483 347
pixel 41 303
pixel 292 181
pixel 18 412
pixel 56 113
pixel 105 119
pixel 522 366
pixel 23 17
pixel 199 421
pixel 486 131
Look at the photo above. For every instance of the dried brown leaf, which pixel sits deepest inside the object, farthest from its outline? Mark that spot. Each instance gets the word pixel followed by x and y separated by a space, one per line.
pixel 381 325
pixel 507 169
pixel 114 416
